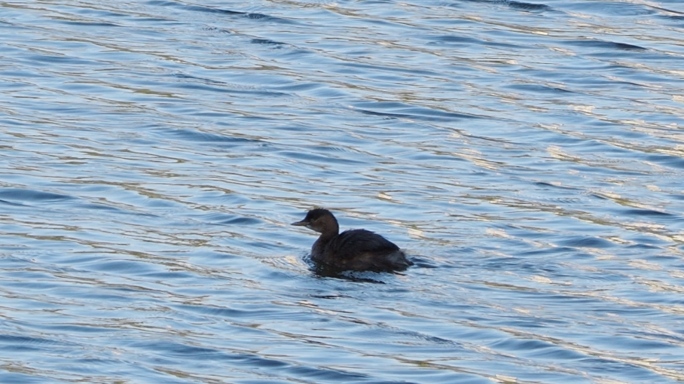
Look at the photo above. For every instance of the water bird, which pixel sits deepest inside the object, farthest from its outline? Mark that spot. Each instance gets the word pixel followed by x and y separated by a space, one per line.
pixel 352 250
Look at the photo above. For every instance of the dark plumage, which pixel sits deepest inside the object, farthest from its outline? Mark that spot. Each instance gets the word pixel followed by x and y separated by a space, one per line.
pixel 356 250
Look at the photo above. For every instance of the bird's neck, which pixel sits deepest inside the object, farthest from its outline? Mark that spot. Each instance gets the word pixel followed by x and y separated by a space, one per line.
pixel 330 232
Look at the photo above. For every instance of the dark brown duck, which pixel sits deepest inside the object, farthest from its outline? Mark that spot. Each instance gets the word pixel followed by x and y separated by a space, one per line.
pixel 355 250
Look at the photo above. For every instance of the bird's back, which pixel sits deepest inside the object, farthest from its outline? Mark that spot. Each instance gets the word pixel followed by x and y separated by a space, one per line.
pixel 361 250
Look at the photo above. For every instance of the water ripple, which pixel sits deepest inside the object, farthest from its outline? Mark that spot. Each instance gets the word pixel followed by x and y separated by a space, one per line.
pixel 527 155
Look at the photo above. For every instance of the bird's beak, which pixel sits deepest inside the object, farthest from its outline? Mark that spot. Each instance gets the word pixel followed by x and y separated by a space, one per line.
pixel 302 223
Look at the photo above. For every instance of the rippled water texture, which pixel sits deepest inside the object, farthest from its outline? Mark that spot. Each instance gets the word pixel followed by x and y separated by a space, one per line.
pixel 529 156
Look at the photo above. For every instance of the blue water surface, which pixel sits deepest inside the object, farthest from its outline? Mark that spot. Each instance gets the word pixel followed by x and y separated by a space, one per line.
pixel 529 156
